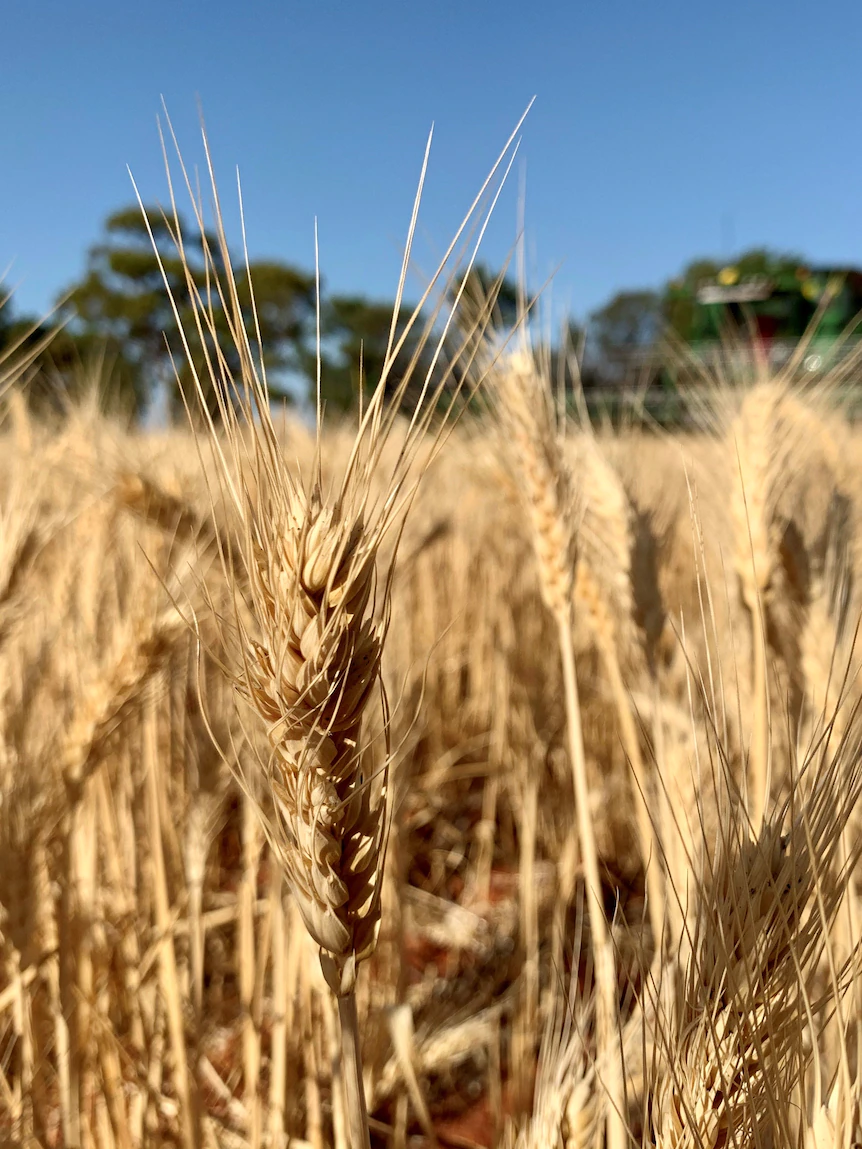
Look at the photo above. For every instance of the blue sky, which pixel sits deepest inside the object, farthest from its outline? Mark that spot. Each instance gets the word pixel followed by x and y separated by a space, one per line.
pixel 661 130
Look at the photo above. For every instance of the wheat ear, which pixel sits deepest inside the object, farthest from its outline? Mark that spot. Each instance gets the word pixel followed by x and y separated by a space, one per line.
pixel 309 631
pixel 524 407
pixel 765 905
pixel 603 593
pixel 567 1106
pixel 762 442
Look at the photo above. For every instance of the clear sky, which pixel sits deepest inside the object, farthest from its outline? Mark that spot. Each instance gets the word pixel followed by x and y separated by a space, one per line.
pixel 661 131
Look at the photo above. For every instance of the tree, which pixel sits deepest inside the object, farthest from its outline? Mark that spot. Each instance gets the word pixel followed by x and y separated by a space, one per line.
pixel 6 322
pixel 122 304
pixel 51 361
pixel 482 286
pixel 355 338
pixel 565 362
pixel 628 323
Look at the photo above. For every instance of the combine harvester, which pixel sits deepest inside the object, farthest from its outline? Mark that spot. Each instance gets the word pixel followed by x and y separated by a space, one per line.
pixel 721 319
pixel 773 310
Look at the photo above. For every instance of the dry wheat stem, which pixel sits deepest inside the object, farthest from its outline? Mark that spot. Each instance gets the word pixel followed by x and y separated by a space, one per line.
pixel 764 439
pixel 523 406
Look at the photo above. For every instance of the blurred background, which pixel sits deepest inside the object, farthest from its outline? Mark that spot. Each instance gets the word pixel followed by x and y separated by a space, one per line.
pixel 673 151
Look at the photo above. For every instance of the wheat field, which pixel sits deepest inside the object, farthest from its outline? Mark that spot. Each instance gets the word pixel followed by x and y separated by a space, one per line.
pixel 420 781
pixel 158 985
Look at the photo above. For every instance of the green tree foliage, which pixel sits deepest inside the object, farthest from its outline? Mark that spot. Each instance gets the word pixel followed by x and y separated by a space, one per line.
pixel 73 362
pixel 6 322
pixel 121 304
pixel 53 363
pixel 119 319
pixel 486 295
pixel 356 331
pixel 565 362
pixel 486 305
pixel 355 337
pixel 118 323
pixel 629 322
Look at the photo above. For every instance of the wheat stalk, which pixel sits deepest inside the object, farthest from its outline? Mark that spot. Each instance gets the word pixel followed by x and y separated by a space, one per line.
pixel 603 595
pixel 765 439
pixel 309 634
pixel 524 407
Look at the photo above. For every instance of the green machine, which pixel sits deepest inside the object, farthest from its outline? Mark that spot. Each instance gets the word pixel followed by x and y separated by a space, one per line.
pixel 773 303
pixel 761 300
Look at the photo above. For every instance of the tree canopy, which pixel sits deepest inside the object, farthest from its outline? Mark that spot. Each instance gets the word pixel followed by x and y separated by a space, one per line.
pixel 120 315
pixel 120 309
pixel 628 323
pixel 122 302
pixel 355 333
